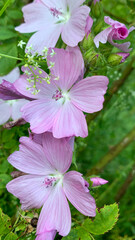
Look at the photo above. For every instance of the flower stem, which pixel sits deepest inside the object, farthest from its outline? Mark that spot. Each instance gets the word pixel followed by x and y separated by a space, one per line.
pixel 112 153
pixel 124 187
pixel 7 56
pixel 5 7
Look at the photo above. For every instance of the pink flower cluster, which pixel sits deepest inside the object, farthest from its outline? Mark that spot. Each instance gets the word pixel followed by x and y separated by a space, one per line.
pixel 56 113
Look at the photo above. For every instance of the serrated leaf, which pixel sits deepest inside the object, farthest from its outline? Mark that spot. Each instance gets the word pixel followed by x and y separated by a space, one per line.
pixel 6 33
pixel 11 236
pixel 78 233
pixel 5 223
pixel 104 220
pixel 7 64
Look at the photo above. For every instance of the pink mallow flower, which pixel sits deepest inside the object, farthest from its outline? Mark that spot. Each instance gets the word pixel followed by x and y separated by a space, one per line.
pixel 47 184
pixel 117 31
pixel 10 108
pixel 50 18
pixel 98 181
pixel 59 105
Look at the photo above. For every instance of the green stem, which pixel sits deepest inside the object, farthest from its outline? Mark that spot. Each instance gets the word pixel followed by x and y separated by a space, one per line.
pixel 5 7
pixel 7 56
pixel 112 153
pixel 126 184
pixel 114 89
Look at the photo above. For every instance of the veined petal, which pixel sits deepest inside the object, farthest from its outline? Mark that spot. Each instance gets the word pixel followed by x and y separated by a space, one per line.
pixel 102 36
pixel 74 30
pixel 46 235
pixel 59 5
pixel 87 94
pixel 12 76
pixel 75 190
pixel 41 114
pixel 68 66
pixel 16 108
pixel 55 213
pixel 58 152
pixel 30 189
pixel 31 158
pixel 74 4
pixel 70 121
pixel 36 15
pixel 122 46
pixel 46 37
pixel 5 112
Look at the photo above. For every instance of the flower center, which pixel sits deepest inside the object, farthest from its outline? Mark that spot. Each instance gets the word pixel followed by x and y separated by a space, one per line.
pixel 61 95
pixel 55 12
pixel 51 181
pixel 57 95
pixel 62 17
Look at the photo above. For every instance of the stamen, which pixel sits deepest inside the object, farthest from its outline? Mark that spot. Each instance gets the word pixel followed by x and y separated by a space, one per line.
pixel 57 95
pixel 55 12
pixel 49 181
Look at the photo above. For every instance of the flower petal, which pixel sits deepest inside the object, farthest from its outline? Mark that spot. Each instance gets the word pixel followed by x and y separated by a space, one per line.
pixel 68 66
pixel 36 15
pixel 12 76
pixel 58 152
pixel 16 107
pixel 5 112
pixel 41 114
pixel 70 121
pixel 122 46
pixel 74 30
pixel 9 92
pixel 46 37
pixel 74 4
pixel 31 158
pixel 102 36
pixel 76 192
pixel 87 95
pixel 55 213
pixel 46 235
pixel 30 189
pixel 98 181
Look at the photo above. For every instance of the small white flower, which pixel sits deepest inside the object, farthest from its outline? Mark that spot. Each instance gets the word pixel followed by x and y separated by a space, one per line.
pixel 52 53
pixel 21 43
pixel 51 65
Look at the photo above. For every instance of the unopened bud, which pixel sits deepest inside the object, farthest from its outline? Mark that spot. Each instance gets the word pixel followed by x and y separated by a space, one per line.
pixel 96 9
pixel 87 43
pixel 124 56
pixel 114 59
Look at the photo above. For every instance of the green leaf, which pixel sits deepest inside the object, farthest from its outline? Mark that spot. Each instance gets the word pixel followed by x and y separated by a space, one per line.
pixel 6 33
pixel 11 236
pixel 78 233
pixel 104 221
pixel 7 64
pixel 15 14
pixel 4 179
pixel 5 223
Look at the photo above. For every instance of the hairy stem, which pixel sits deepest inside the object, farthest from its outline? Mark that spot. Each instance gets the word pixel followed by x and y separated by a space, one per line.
pixel 113 153
pixel 126 184
pixel 114 89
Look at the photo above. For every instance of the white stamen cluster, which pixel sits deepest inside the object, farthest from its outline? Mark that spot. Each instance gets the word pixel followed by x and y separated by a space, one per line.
pixel 32 62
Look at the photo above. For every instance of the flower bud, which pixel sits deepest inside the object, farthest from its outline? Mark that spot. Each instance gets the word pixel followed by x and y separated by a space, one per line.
pixel 124 56
pixel 87 43
pixel 98 181
pixel 96 9
pixel 114 59
pixel 90 58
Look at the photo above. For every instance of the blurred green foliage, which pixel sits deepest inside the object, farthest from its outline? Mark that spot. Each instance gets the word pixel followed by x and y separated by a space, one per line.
pixel 105 131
